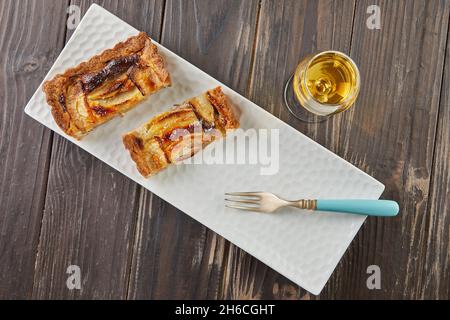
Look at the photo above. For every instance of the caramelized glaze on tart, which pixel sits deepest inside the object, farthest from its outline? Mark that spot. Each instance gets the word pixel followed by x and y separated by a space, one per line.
pixel 105 86
pixel 179 133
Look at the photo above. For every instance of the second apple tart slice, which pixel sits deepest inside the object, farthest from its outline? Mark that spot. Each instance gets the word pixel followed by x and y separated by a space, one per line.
pixel 179 133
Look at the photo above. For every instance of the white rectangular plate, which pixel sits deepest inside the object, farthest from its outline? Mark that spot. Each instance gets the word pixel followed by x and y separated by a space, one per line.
pixel 304 248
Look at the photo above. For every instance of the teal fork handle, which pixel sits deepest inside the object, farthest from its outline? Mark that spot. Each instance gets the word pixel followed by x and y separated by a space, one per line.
pixel 381 208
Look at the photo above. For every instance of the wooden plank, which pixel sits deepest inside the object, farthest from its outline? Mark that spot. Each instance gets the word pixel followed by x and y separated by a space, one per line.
pixel 393 163
pixel 436 274
pixel 28 45
pixel 287 32
pixel 290 30
pixel 390 134
pixel 174 256
pixel 89 217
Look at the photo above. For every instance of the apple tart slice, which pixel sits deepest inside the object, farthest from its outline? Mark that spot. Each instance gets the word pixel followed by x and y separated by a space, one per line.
pixel 179 133
pixel 105 86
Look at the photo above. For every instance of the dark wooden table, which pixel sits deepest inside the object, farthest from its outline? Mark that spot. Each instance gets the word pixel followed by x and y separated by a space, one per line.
pixel 60 206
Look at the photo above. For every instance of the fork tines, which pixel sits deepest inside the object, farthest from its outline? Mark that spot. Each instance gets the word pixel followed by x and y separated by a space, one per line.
pixel 251 200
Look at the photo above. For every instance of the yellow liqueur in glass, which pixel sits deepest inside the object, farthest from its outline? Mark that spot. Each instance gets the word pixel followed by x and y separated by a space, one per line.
pixel 322 85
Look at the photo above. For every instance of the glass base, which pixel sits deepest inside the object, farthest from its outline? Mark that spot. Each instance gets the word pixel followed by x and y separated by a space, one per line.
pixel 296 109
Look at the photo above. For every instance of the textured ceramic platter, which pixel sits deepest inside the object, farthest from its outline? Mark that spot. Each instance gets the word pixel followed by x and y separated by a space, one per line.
pixel 303 247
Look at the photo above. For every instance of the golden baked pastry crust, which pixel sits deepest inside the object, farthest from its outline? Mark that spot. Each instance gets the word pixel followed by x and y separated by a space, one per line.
pixel 106 85
pixel 179 133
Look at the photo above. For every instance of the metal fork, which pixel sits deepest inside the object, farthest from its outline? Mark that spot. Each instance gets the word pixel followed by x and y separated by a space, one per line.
pixel 268 202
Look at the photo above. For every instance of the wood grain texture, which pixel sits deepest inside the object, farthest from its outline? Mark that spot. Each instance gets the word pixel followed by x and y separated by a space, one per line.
pixel 89 216
pixel 175 256
pixel 436 274
pixel 60 206
pixel 27 44
pixel 288 31
pixel 390 134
